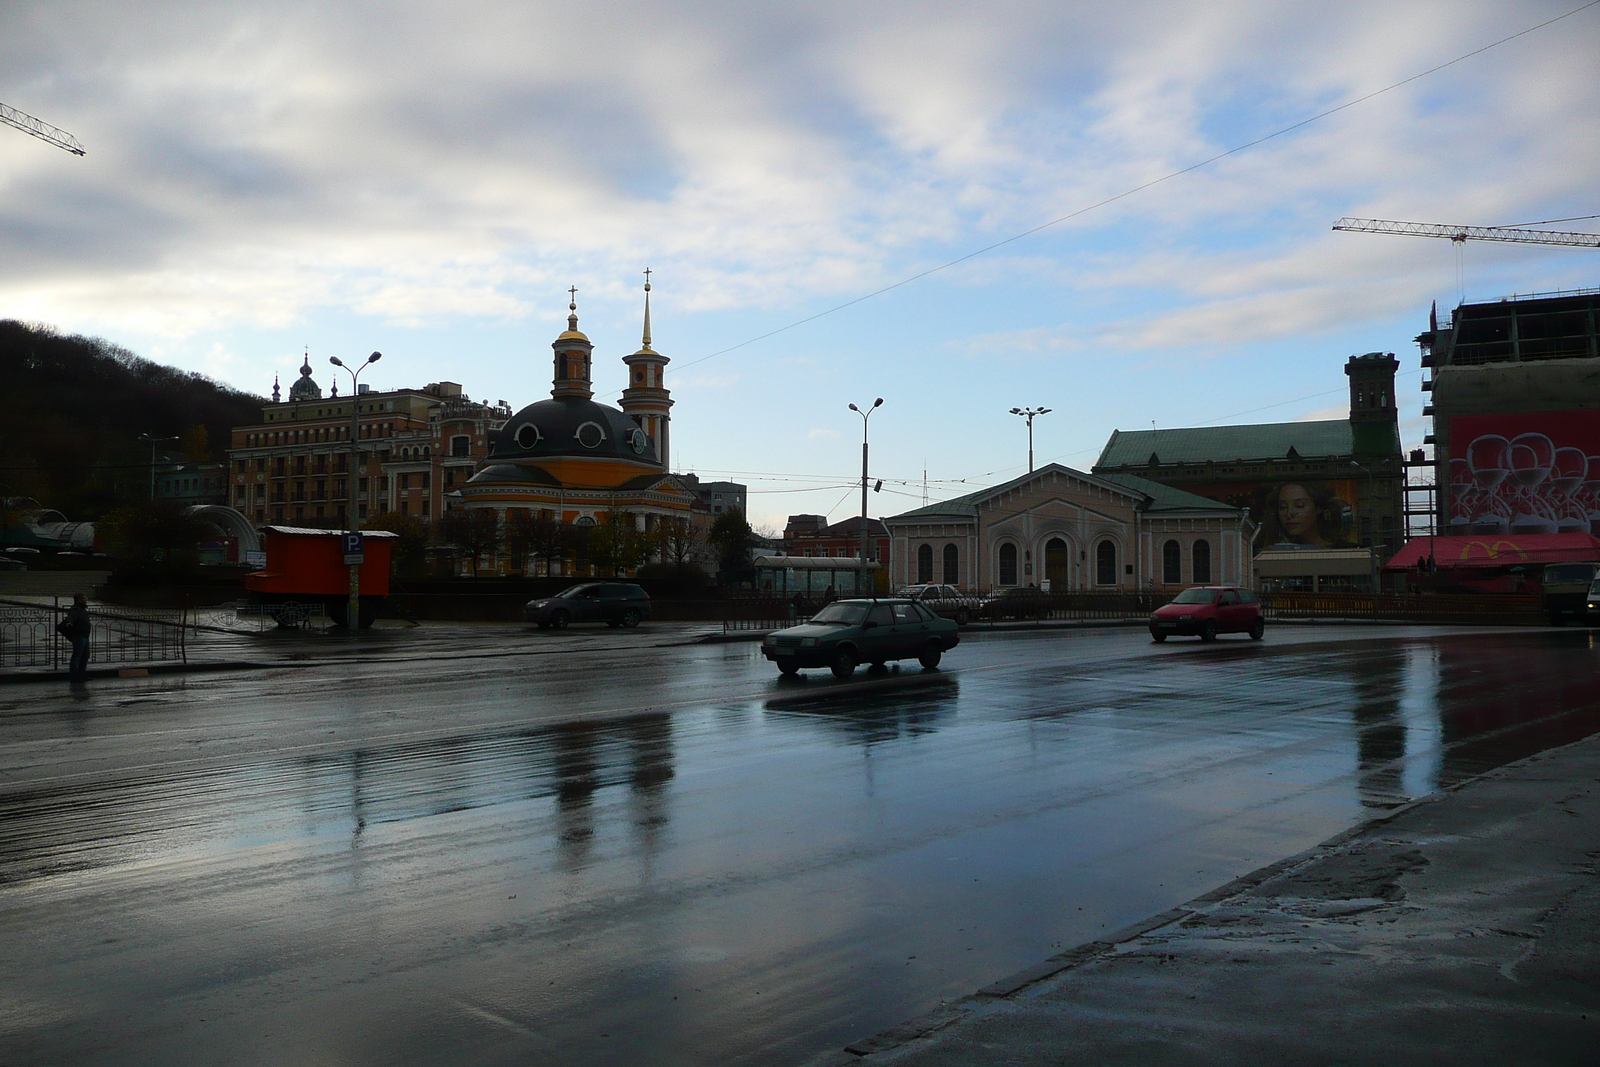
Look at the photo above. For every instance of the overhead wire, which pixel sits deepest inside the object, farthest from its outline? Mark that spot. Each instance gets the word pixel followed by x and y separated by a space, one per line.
pixel 1145 185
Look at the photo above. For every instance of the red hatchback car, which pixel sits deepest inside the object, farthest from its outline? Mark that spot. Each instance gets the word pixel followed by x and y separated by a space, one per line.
pixel 1206 611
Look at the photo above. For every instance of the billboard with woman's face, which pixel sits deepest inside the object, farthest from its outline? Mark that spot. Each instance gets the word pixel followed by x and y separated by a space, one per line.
pixel 1529 473
pixel 1315 512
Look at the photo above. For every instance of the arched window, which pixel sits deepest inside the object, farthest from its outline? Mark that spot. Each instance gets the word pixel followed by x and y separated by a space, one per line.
pixel 924 563
pixel 1171 563
pixel 952 570
pixel 1058 565
pixel 1202 562
pixel 1105 563
pixel 1008 564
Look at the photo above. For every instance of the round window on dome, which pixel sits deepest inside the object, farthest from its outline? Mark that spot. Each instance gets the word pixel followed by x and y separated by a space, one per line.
pixel 590 435
pixel 528 436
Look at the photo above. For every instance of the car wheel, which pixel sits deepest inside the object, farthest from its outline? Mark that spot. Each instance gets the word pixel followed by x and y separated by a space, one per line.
pixel 631 617
pixel 1209 632
pixel 788 670
pixel 1157 636
pixel 560 619
pixel 931 656
pixel 844 663
pixel 1258 630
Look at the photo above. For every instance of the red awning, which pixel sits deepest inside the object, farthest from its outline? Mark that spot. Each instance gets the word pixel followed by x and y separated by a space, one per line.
pixel 1451 553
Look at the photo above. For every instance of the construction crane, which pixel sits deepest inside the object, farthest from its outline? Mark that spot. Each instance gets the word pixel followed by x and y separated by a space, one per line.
pixel 1461 234
pixel 40 129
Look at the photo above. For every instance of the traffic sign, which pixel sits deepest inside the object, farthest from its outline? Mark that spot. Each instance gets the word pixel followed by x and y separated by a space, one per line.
pixel 354 546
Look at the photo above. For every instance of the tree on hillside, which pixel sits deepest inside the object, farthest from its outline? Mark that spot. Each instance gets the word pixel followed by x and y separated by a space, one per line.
pixel 75 407
pixel 197 444
pixel 733 539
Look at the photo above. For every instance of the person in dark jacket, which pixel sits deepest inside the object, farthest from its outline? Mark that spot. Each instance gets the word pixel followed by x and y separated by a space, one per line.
pixel 75 628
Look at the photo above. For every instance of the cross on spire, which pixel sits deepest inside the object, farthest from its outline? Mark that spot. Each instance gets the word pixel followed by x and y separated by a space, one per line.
pixel 647 279
pixel 573 292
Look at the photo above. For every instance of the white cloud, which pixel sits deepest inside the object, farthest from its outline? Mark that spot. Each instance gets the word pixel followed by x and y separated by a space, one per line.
pixel 254 165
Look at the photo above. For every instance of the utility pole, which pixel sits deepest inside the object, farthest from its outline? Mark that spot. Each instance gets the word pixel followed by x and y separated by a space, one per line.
pixel 353 618
pixel 1029 413
pixel 862 573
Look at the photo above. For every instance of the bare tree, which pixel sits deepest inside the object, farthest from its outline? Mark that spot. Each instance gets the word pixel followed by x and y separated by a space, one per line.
pixel 475 531
pixel 521 535
pixel 679 542
pixel 617 545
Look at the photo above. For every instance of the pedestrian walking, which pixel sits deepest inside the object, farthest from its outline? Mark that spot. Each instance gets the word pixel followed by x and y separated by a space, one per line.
pixel 75 628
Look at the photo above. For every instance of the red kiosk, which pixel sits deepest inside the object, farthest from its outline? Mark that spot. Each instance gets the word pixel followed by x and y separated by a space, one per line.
pixel 306 570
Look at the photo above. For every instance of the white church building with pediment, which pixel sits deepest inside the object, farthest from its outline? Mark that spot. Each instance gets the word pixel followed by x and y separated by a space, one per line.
pixel 1066 531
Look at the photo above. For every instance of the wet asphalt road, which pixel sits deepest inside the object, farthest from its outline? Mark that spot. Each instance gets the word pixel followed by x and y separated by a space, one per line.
pixel 620 853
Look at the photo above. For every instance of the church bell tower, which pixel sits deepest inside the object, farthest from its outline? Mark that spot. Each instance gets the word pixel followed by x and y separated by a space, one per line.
pixel 646 399
pixel 572 355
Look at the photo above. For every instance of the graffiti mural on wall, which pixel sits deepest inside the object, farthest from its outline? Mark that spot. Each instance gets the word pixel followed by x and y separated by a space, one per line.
pixel 1314 512
pixel 1535 472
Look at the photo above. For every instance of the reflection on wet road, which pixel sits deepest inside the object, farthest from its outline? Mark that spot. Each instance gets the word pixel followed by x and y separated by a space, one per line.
pixel 669 856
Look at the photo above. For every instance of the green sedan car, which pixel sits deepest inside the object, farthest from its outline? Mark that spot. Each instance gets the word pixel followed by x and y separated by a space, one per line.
pixel 851 632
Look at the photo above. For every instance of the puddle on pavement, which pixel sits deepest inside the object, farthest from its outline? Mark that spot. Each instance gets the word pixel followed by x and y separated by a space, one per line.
pixel 829 836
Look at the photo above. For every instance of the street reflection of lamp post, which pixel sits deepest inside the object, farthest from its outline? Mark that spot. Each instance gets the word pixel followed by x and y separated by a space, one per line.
pixel 862 573
pixel 1029 413
pixel 152 442
pixel 353 618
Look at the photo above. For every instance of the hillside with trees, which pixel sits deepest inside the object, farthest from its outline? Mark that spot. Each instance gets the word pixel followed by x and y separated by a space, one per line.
pixel 75 407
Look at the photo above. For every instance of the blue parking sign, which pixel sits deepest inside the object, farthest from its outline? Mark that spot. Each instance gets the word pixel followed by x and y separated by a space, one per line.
pixel 354 548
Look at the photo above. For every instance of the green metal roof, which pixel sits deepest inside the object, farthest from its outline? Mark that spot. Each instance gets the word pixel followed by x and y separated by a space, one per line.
pixel 1226 444
pixel 1161 497
pixel 959 508
pixel 1165 497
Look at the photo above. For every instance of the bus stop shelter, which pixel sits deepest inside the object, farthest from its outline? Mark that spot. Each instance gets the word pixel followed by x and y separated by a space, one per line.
pixel 815 576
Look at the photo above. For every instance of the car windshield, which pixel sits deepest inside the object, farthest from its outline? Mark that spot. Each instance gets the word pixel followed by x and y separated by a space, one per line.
pixel 1195 596
pixel 576 591
pixel 842 614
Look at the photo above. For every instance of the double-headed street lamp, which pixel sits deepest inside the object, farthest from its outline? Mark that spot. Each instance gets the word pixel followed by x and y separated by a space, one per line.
pixel 354 616
pixel 152 442
pixel 862 573
pixel 1029 413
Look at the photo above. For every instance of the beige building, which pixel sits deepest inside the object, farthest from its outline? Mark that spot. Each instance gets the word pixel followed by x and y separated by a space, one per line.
pixel 417 445
pixel 1077 532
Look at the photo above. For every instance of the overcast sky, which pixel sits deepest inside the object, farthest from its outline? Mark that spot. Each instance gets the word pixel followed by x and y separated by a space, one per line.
pixel 427 179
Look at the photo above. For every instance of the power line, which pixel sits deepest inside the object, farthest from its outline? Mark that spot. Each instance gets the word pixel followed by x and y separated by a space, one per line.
pixel 1146 185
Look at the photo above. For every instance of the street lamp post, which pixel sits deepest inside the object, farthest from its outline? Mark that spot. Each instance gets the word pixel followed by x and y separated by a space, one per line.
pixel 1029 413
pixel 152 442
pixel 353 617
pixel 862 573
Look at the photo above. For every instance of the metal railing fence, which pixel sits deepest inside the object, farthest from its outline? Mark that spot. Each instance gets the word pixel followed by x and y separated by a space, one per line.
pixel 28 635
